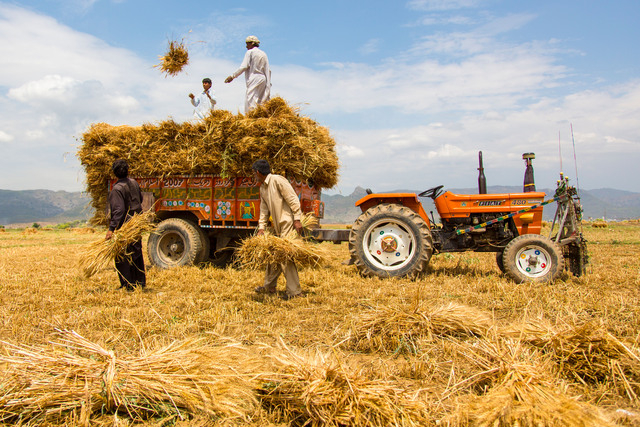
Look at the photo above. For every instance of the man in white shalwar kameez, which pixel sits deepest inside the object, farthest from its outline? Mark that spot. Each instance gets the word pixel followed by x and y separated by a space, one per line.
pixel 257 74
pixel 204 102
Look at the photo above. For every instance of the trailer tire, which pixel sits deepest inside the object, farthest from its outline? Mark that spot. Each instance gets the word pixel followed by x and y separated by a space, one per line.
pixel 533 258
pixel 176 242
pixel 204 254
pixel 405 249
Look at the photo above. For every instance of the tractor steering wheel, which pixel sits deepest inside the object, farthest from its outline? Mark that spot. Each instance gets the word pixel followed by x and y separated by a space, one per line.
pixel 432 192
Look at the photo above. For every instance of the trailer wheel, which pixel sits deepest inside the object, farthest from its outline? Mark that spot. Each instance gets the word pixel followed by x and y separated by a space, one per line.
pixel 533 258
pixel 390 240
pixel 176 242
pixel 203 255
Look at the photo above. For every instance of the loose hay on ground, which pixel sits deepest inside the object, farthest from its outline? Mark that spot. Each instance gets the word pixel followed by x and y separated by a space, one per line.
pixel 587 353
pixel 519 389
pixel 391 329
pixel 320 389
pixel 81 379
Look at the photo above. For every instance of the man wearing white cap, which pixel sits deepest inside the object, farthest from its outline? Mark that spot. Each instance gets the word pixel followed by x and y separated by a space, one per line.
pixel 257 74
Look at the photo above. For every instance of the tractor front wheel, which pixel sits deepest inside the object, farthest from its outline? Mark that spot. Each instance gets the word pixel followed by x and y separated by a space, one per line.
pixel 533 258
pixel 390 240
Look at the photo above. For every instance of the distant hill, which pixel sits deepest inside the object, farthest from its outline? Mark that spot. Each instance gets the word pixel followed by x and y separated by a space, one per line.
pixel 30 206
pixel 45 206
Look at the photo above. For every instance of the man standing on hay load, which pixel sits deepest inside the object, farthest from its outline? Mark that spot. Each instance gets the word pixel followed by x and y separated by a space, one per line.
pixel 257 74
pixel 279 201
pixel 125 200
pixel 204 102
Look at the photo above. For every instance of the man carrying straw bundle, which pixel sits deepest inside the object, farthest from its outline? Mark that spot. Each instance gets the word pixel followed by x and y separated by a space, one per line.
pixel 257 74
pixel 125 200
pixel 279 201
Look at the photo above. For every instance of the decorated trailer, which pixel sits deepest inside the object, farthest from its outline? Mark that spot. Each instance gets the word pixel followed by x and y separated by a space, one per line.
pixel 203 217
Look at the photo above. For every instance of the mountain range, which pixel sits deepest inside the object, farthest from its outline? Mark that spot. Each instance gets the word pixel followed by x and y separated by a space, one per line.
pixel 46 206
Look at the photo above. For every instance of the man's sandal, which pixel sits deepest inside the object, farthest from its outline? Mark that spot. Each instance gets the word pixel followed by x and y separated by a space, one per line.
pixel 264 290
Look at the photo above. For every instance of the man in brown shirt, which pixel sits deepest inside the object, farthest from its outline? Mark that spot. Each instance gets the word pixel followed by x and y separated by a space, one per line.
pixel 279 201
pixel 125 200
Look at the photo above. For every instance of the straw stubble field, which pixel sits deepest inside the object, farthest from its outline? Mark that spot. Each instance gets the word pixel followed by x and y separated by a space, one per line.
pixel 460 346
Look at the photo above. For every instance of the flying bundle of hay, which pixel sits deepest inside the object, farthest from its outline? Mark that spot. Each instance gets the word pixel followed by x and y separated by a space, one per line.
pixel 222 144
pixel 102 253
pixel 521 392
pixel 320 390
pixel 80 380
pixel 389 329
pixel 176 58
pixel 257 252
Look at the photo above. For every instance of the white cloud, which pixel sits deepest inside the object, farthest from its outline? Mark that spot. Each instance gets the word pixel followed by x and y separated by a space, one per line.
pixel 413 121
pixel 350 151
pixel 369 47
pixel 5 137
pixel 441 5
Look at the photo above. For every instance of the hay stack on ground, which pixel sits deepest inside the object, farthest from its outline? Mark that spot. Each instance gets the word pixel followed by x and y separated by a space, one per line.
pixel 176 58
pixel 102 253
pixel 321 390
pixel 79 379
pixel 222 144
pixel 522 391
pixel 392 330
pixel 587 353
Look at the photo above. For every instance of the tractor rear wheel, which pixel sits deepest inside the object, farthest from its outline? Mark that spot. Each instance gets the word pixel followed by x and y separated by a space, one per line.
pixel 176 242
pixel 533 258
pixel 500 260
pixel 390 240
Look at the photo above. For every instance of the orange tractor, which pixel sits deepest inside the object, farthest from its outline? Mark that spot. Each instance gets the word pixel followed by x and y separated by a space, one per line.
pixel 395 237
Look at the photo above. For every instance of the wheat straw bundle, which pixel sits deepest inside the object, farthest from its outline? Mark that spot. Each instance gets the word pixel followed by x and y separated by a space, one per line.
pixel 320 390
pixel 522 391
pixel 223 144
pixel 175 59
pixel 391 329
pixel 80 379
pixel 587 353
pixel 258 252
pixel 102 253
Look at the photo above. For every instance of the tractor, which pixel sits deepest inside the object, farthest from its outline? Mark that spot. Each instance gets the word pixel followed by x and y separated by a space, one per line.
pixel 394 236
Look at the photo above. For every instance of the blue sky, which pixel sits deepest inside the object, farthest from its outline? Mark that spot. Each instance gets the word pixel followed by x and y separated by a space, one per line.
pixel 410 90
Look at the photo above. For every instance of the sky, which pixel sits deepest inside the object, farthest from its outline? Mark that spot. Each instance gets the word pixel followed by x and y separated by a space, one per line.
pixel 410 90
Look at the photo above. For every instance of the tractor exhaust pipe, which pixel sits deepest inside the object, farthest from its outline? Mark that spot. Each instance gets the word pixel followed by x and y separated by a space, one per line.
pixel 482 181
pixel 529 184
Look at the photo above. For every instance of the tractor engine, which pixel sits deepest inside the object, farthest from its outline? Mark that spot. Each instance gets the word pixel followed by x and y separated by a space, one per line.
pixel 487 238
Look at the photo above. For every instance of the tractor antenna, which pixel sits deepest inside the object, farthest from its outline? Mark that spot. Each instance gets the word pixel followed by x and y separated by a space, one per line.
pixel 560 155
pixel 575 161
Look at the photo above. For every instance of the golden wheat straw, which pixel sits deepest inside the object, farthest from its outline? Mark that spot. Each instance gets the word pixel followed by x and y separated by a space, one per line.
pixel 222 144
pixel 48 384
pixel 403 329
pixel 323 390
pixel 102 253
pixel 175 59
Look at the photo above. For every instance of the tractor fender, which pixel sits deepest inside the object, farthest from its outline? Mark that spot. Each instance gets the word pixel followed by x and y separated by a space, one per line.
pixel 409 200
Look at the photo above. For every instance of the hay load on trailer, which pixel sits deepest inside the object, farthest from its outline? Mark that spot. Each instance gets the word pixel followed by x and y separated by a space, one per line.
pixel 199 173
